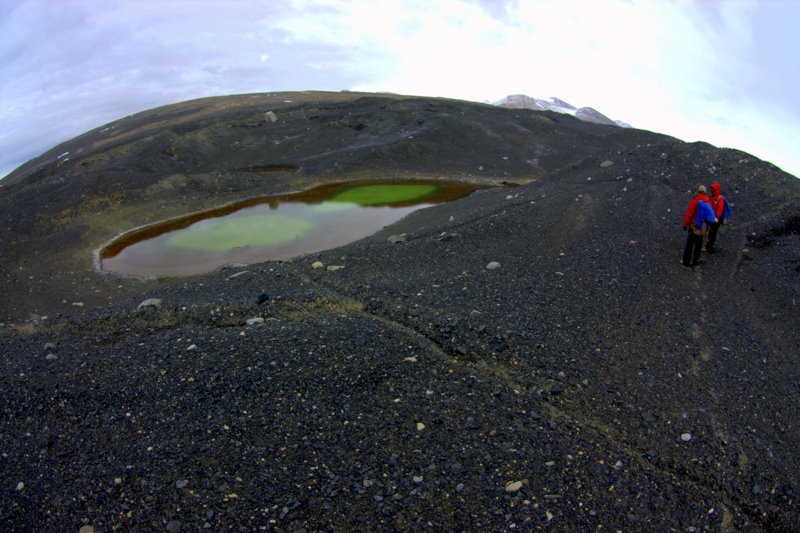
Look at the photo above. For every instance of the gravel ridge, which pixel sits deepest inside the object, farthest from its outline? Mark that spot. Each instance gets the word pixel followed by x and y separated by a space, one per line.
pixel 586 380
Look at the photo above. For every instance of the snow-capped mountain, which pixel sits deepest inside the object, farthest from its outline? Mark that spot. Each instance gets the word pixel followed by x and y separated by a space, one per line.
pixel 589 114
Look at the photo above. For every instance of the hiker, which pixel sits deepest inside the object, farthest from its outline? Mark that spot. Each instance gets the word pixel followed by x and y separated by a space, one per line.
pixel 722 210
pixel 698 217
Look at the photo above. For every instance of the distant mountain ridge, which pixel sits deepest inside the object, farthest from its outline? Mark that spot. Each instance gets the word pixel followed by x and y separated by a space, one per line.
pixel 589 114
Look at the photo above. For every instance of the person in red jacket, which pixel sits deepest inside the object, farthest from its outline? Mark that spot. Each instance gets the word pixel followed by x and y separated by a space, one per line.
pixel 721 210
pixel 699 215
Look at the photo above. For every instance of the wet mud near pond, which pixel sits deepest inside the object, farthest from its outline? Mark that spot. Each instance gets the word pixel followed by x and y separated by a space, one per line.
pixel 272 228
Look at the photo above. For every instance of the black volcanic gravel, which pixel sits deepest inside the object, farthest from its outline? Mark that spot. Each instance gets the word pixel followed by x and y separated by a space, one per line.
pixel 588 382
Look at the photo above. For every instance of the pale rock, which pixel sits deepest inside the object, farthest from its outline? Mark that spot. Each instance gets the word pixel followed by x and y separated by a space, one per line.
pixel 514 486
pixel 150 302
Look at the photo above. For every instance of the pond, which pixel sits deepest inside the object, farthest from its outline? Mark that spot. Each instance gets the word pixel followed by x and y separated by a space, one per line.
pixel 273 228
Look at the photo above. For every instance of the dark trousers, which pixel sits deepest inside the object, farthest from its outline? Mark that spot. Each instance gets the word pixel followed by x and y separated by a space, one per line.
pixel 712 236
pixel 691 253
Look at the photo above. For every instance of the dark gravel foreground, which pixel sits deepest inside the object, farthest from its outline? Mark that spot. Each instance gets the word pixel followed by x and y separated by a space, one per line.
pixel 589 382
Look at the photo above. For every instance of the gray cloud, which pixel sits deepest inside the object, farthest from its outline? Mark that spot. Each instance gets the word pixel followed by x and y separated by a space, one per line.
pixel 720 71
pixel 70 66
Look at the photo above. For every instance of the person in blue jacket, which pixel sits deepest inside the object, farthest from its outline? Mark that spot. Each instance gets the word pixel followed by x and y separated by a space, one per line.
pixel 699 216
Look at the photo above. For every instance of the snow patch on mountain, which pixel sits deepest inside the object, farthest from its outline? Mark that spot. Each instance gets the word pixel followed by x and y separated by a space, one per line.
pixel 589 114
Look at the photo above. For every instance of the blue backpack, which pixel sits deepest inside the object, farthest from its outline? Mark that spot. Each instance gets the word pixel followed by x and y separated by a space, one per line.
pixel 726 210
pixel 705 217
pixel 726 207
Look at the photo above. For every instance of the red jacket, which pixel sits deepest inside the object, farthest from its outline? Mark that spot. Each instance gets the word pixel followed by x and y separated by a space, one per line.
pixel 691 212
pixel 717 201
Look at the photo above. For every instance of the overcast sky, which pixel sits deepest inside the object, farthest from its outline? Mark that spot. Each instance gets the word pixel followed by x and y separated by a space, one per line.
pixel 723 71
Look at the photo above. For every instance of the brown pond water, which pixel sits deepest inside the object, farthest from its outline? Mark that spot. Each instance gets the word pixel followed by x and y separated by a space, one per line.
pixel 273 228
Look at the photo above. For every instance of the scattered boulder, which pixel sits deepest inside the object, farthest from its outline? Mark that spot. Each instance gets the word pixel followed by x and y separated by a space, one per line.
pixel 514 486
pixel 149 303
pixel 444 236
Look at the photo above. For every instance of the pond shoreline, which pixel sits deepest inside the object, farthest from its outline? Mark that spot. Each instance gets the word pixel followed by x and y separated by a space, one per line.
pixel 367 198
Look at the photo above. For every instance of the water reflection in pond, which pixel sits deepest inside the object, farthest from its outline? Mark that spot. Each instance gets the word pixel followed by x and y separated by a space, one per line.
pixel 277 227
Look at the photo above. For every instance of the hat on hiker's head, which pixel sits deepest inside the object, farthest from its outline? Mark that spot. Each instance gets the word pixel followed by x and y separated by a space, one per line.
pixel 701 189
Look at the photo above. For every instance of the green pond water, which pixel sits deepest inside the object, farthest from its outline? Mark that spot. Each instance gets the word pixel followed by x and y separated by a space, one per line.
pixel 272 228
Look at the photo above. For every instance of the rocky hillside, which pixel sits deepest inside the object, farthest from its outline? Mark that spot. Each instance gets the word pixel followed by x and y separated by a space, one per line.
pixel 200 154
pixel 585 380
